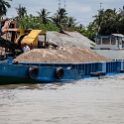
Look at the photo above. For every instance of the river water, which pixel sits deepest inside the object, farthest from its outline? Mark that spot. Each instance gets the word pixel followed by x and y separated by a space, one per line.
pixel 88 101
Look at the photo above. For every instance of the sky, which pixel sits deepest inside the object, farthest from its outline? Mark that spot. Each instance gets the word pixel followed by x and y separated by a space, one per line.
pixel 82 10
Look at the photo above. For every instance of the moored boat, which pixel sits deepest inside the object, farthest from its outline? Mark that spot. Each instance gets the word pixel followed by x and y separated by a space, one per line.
pixel 43 72
pixel 110 46
pixel 13 72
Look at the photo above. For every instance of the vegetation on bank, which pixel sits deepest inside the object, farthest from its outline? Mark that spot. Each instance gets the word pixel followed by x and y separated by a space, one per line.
pixel 105 22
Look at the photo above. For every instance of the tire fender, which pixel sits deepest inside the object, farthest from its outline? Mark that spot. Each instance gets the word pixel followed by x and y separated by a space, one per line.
pixel 33 72
pixel 59 73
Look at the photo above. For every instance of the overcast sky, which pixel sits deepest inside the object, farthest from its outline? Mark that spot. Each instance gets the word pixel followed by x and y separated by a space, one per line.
pixel 82 10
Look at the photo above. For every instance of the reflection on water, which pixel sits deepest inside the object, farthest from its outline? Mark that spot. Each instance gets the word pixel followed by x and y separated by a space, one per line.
pixel 89 101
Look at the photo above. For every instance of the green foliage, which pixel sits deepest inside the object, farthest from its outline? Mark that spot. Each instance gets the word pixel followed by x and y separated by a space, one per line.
pixel 30 22
pixel 21 11
pixel 60 18
pixel 49 27
pixel 59 21
pixel 43 15
pixel 105 22
pixel 87 33
pixel 35 23
pixel 108 21
pixel 3 7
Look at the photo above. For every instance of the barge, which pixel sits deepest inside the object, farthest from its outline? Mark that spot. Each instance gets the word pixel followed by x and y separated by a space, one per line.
pixel 13 72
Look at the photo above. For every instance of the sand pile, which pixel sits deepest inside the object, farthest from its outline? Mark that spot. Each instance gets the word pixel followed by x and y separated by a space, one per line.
pixel 69 38
pixel 69 55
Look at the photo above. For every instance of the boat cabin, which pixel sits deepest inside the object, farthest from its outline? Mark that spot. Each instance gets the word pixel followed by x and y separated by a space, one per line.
pixel 109 42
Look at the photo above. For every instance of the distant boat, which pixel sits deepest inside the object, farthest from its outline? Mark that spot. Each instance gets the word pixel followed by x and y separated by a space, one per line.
pixel 110 46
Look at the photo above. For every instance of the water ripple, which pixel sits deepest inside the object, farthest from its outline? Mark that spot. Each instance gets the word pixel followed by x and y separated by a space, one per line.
pixel 88 101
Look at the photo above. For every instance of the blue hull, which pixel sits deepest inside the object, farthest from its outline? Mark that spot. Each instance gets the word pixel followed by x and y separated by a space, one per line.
pixel 19 73
pixel 48 72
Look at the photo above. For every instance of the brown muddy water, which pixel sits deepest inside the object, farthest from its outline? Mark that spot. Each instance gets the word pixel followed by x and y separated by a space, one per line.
pixel 88 101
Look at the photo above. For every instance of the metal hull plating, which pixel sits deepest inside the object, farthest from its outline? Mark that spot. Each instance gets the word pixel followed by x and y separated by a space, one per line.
pixel 19 73
pixel 46 72
pixel 13 74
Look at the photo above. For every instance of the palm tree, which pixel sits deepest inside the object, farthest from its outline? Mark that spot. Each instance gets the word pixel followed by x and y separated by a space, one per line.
pixel 43 14
pixel 98 21
pixel 3 6
pixel 60 18
pixel 108 21
pixel 104 21
pixel 21 11
pixel 121 11
pixel 62 13
pixel 56 21
pixel 122 20
pixel 111 22
pixel 71 22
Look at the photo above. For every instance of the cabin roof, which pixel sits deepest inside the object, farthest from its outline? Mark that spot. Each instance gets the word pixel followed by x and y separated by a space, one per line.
pixel 118 35
pixel 110 36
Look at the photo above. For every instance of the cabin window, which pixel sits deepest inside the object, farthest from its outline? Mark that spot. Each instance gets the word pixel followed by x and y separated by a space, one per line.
pixel 120 41
pixel 105 41
pixel 98 41
pixel 113 41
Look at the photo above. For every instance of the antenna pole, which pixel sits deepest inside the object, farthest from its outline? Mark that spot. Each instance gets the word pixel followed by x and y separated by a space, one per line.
pixel 100 6
pixel 59 4
pixel 65 4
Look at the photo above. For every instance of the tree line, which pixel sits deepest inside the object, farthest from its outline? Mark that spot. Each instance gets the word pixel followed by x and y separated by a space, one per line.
pixel 108 21
pixel 58 22
pixel 105 22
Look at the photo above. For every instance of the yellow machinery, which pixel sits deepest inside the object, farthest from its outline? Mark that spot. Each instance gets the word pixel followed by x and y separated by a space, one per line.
pixel 32 38
pixel 21 37
pixel 15 38
pixel 14 33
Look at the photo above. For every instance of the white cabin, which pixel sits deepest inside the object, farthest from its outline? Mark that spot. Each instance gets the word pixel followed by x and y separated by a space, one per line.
pixel 111 46
pixel 110 42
